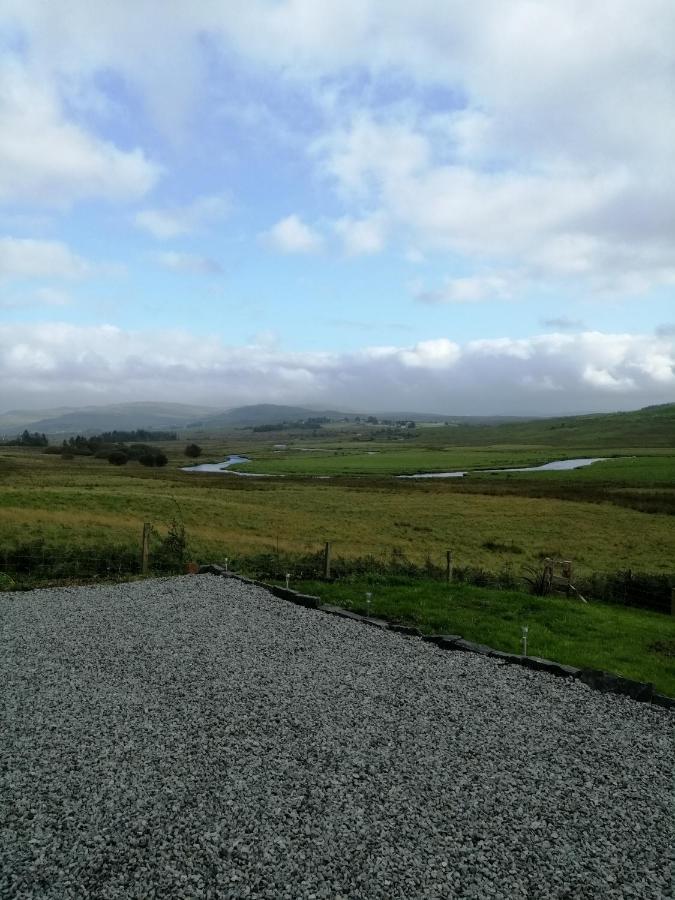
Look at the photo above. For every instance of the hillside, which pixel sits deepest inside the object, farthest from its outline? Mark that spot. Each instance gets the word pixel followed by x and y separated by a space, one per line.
pixel 652 426
pixel 263 414
pixel 92 419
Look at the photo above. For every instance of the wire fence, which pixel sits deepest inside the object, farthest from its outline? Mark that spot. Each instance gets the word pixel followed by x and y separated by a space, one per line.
pixel 38 563
pixel 623 587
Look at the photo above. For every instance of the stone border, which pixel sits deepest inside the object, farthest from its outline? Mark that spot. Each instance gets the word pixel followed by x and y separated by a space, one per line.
pixel 597 679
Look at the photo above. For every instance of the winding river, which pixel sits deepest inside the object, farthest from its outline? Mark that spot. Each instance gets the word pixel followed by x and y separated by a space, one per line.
pixel 559 465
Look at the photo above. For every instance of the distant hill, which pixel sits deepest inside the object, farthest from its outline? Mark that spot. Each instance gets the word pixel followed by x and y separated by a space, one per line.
pixel 264 414
pixel 652 426
pixel 93 419
pixel 271 413
pixel 15 420
pixel 446 417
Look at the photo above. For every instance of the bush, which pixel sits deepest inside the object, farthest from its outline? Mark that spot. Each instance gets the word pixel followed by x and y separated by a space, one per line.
pixel 193 451
pixel 153 458
pixel 117 458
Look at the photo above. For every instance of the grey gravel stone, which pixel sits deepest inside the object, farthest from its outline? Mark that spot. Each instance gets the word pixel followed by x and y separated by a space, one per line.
pixel 199 738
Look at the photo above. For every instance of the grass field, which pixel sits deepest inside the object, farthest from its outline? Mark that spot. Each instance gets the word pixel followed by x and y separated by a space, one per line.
pixel 88 501
pixel 615 514
pixel 634 643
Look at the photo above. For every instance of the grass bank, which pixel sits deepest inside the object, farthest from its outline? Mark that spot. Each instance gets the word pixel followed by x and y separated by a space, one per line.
pixel 635 643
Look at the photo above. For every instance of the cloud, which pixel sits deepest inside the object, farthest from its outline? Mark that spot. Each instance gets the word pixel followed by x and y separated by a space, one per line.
pixel 472 289
pixel 291 235
pixel 44 296
pixel 47 160
pixel 565 221
pixel 188 262
pixel 542 374
pixel 517 134
pixel 178 221
pixel 361 236
pixel 27 258
pixel 563 323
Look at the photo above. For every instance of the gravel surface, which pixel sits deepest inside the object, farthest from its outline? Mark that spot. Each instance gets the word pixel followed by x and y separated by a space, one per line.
pixel 196 737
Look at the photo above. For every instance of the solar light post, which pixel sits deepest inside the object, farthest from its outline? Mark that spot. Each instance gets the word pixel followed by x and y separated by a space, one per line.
pixel 523 640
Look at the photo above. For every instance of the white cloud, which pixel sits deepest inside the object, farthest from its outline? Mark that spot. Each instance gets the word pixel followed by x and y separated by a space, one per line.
pixel 541 374
pixel 361 236
pixel 44 296
pixel 548 142
pixel 49 296
pixel 471 289
pixel 26 258
pixel 188 262
pixel 563 323
pixel 292 235
pixel 170 223
pixel 47 160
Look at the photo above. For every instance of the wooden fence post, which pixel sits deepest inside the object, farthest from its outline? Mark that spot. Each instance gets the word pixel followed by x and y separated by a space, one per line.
pixel 448 566
pixel 145 547
pixel 548 574
pixel 326 560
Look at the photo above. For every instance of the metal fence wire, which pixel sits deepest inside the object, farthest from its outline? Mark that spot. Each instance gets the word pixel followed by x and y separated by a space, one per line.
pixel 24 566
pixel 37 562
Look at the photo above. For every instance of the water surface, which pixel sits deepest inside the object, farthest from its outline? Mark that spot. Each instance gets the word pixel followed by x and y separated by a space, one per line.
pixel 559 465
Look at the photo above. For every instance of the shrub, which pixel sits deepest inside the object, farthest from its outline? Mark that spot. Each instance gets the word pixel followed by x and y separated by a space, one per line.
pixel 117 458
pixel 153 458
pixel 193 451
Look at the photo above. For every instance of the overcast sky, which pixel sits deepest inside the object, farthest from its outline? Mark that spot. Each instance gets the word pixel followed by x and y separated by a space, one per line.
pixel 444 206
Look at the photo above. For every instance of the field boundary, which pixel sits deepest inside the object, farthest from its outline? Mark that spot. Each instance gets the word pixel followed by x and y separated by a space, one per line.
pixel 596 679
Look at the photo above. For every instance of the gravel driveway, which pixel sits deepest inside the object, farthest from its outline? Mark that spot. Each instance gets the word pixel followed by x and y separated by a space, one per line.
pixel 196 737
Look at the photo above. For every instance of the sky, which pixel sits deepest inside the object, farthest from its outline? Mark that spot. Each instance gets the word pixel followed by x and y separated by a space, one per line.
pixel 370 204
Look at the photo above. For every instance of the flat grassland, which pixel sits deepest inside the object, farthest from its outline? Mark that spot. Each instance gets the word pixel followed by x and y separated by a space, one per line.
pixel 615 514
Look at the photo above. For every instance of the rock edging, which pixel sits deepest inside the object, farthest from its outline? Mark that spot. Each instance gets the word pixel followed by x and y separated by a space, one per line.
pixel 596 679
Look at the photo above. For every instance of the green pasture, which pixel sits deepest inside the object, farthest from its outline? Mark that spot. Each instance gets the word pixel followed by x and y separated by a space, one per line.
pixel 89 502
pixel 635 643
pixel 633 469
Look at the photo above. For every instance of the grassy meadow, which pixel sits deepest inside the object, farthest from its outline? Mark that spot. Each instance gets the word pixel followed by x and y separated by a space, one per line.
pixel 360 506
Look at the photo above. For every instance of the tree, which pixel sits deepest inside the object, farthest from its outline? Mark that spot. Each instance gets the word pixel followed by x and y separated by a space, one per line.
pixel 117 458
pixel 193 451
pixel 153 458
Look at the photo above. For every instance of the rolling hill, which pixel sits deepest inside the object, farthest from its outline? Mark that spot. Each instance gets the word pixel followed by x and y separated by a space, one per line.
pixel 92 419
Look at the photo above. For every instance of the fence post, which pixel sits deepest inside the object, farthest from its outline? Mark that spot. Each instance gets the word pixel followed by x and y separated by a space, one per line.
pixel 548 574
pixel 326 560
pixel 448 566
pixel 145 548
pixel 672 601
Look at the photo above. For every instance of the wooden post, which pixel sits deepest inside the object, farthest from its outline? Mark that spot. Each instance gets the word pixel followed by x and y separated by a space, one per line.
pixel 672 601
pixel 548 574
pixel 145 547
pixel 326 560
pixel 448 566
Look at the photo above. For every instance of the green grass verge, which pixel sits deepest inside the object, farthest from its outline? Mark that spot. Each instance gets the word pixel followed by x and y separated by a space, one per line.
pixel 634 643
